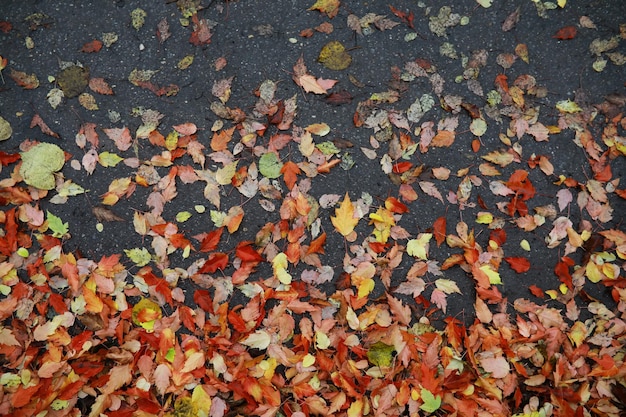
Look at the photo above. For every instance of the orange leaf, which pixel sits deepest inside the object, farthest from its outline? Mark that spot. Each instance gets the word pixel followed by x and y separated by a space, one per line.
pixel 317 245
pixel 220 139
pixel 518 264
pixel 344 220
pixel 290 171
pixel 501 81
pixel 325 168
pixel 93 46
pixel 443 138
pixel 565 33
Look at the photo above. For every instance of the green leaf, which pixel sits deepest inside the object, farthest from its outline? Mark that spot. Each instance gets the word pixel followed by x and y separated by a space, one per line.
pixel 328 148
pixel 430 402
pixel 39 164
pixel 108 159
pixel 56 225
pixel 182 216
pixel 380 354
pixel 141 257
pixel 270 165
pixel 5 129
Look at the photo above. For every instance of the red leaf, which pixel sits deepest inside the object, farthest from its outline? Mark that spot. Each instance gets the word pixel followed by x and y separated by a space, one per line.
pixel 246 253
pixel 518 264
pixel 56 301
pixel 87 369
pixel 93 46
pixel 395 205
pixel 401 167
pixel 70 390
pixel 23 395
pixel 498 236
pixel 439 229
pixel 565 33
pixel 203 299
pixel 187 317
pixel 536 291
pixel 8 243
pixel 562 271
pixel 8 158
pixel 217 260
pixel 211 240
pixel 5 26
pixel 407 18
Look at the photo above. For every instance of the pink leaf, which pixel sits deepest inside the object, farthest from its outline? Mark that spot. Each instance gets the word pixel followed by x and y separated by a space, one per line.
pixel 162 375
pixel 497 367
pixel 439 298
pixel 564 197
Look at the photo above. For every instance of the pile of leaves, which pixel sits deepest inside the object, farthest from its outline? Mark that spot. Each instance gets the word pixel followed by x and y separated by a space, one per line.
pixel 200 322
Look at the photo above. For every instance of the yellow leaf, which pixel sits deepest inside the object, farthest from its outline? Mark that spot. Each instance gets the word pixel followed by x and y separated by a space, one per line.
pixel 334 56
pixel 224 175
pixel 365 287
pixel 484 218
pixel 356 408
pixel 306 146
pixel 561 3
pixel 201 401
pixel 494 276
pixel 308 360
pixel 419 247
pixel 329 7
pixel 577 333
pixel 145 313
pixel 568 106
pixel 344 220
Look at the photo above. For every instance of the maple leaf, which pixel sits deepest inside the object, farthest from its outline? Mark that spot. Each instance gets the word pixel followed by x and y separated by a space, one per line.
pixel 290 171
pixel 344 220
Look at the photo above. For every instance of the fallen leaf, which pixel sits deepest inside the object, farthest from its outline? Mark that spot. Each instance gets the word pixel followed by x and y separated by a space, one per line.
pixel 344 219
pixel 566 33
pixel 40 163
pixel 334 56
pixel 329 7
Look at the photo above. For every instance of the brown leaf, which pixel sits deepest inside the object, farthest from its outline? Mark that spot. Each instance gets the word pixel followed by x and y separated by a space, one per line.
pixel 38 121
pixel 163 30
pixel 104 214
pixel 338 98
pixel 511 20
